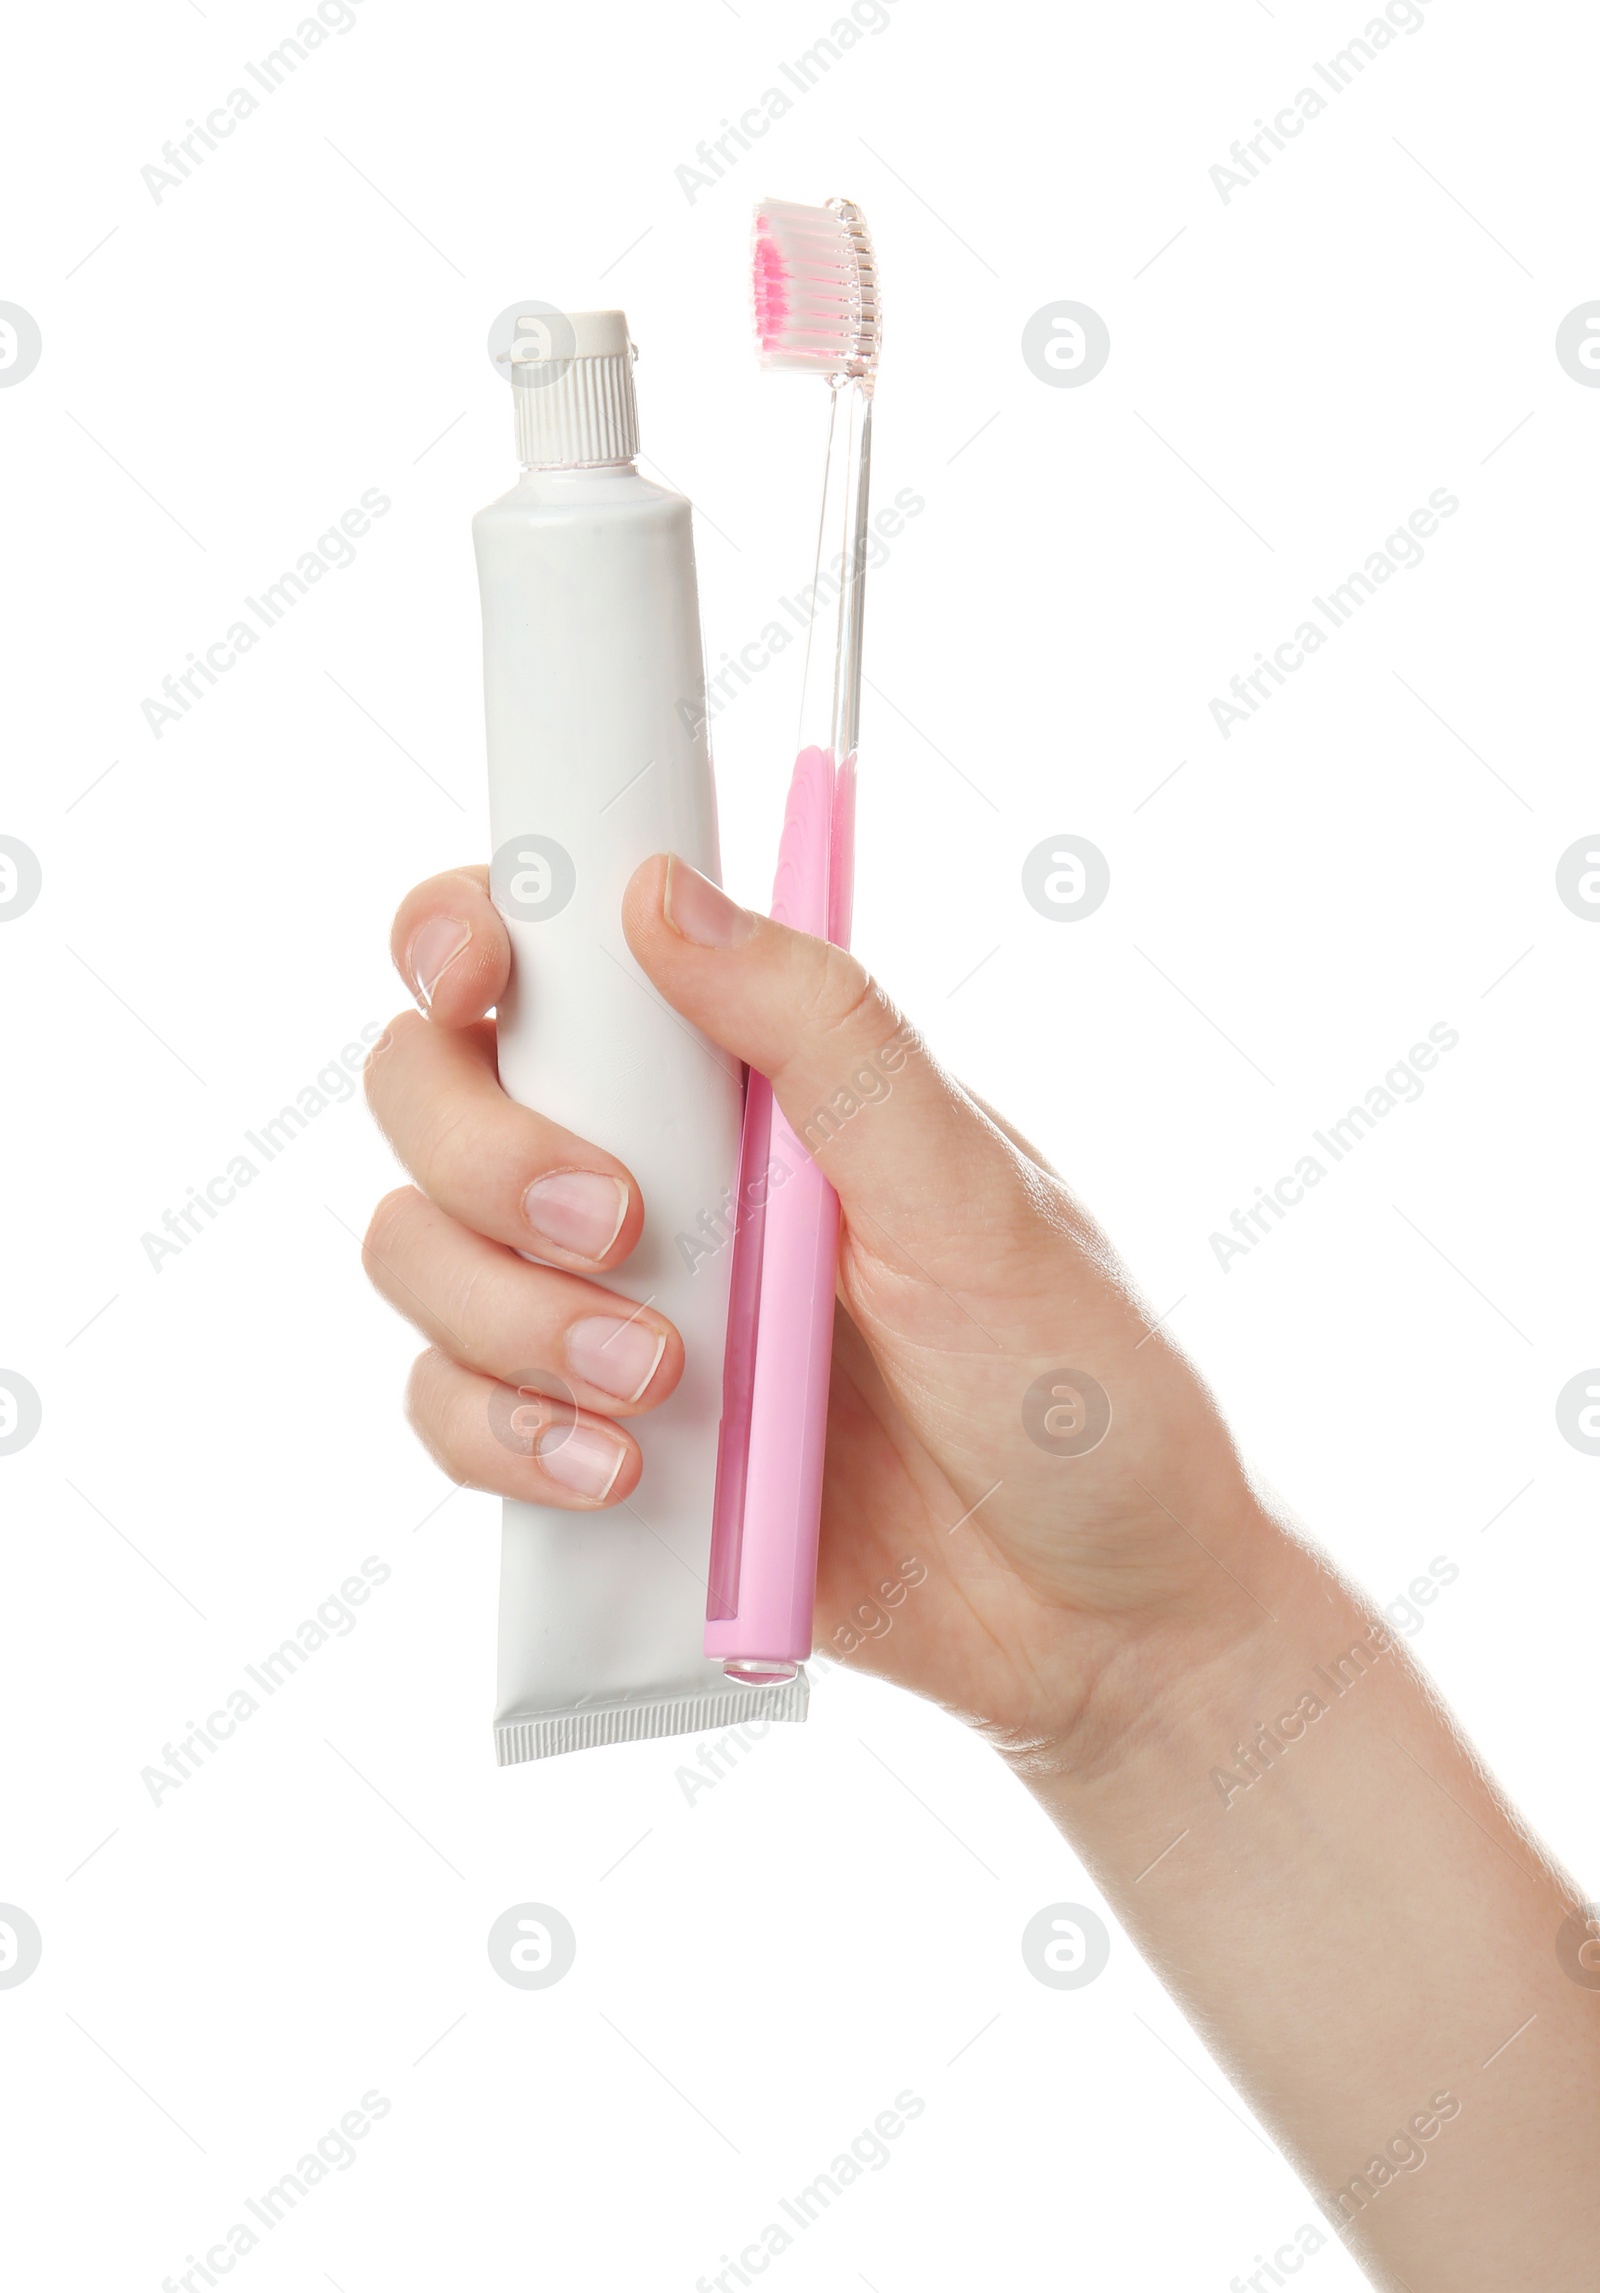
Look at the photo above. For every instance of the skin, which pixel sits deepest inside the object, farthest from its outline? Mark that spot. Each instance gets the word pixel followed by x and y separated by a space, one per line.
pixel 1354 1918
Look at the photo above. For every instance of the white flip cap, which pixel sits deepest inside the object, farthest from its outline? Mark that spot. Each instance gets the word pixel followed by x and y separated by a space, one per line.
pixel 572 388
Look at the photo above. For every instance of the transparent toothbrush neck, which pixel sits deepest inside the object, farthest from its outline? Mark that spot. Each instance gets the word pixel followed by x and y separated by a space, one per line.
pixel 830 707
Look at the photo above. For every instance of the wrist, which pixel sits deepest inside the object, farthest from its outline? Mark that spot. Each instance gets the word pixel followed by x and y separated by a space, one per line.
pixel 1165 1682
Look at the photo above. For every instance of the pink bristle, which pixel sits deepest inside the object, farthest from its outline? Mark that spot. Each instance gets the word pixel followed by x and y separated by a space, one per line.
pixel 814 288
pixel 771 302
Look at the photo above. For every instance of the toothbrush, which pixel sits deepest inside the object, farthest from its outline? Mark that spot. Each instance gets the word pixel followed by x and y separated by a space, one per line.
pixel 816 311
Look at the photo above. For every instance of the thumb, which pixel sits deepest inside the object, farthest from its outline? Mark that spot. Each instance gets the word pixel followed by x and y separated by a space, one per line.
pixel 918 1167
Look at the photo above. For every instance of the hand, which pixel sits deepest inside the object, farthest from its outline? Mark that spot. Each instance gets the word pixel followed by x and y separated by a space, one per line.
pixel 1044 1596
pixel 1331 1884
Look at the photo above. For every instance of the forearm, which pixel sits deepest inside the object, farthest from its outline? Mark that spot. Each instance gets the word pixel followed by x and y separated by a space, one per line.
pixel 1308 1853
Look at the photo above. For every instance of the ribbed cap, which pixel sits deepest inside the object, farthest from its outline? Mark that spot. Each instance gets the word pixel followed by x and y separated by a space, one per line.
pixel 572 387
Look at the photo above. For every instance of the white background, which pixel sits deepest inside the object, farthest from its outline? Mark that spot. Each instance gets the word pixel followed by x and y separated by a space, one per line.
pixel 1374 852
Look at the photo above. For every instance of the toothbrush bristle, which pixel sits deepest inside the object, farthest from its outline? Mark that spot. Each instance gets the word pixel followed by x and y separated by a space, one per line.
pixel 814 283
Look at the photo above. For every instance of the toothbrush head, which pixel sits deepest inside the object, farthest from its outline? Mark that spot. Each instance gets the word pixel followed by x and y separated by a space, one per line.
pixel 815 286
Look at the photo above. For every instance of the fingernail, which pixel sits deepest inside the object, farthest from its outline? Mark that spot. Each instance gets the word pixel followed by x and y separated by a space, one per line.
pixel 700 912
pixel 619 1357
pixel 577 1210
pixel 581 1457
pixel 434 948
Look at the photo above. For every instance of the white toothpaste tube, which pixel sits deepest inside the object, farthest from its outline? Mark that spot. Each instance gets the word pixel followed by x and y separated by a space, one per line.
pixel 593 677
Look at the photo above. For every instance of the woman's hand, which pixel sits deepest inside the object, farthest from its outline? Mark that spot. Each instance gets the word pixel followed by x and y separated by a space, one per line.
pixel 1046 1571
pixel 1278 1804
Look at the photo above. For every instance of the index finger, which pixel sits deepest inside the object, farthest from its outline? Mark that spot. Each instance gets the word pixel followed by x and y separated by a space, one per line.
pixel 451 948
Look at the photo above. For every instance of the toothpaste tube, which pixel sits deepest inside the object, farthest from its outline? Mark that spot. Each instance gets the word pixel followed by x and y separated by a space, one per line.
pixel 597 758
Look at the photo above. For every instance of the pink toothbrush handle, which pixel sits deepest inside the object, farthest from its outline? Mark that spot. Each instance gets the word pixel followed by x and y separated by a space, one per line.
pixel 780 1318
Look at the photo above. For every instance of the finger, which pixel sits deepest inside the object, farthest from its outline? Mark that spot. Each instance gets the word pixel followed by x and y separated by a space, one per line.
pixel 492 1312
pixel 450 946
pixel 499 1168
pixel 909 1153
pixel 518 1444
